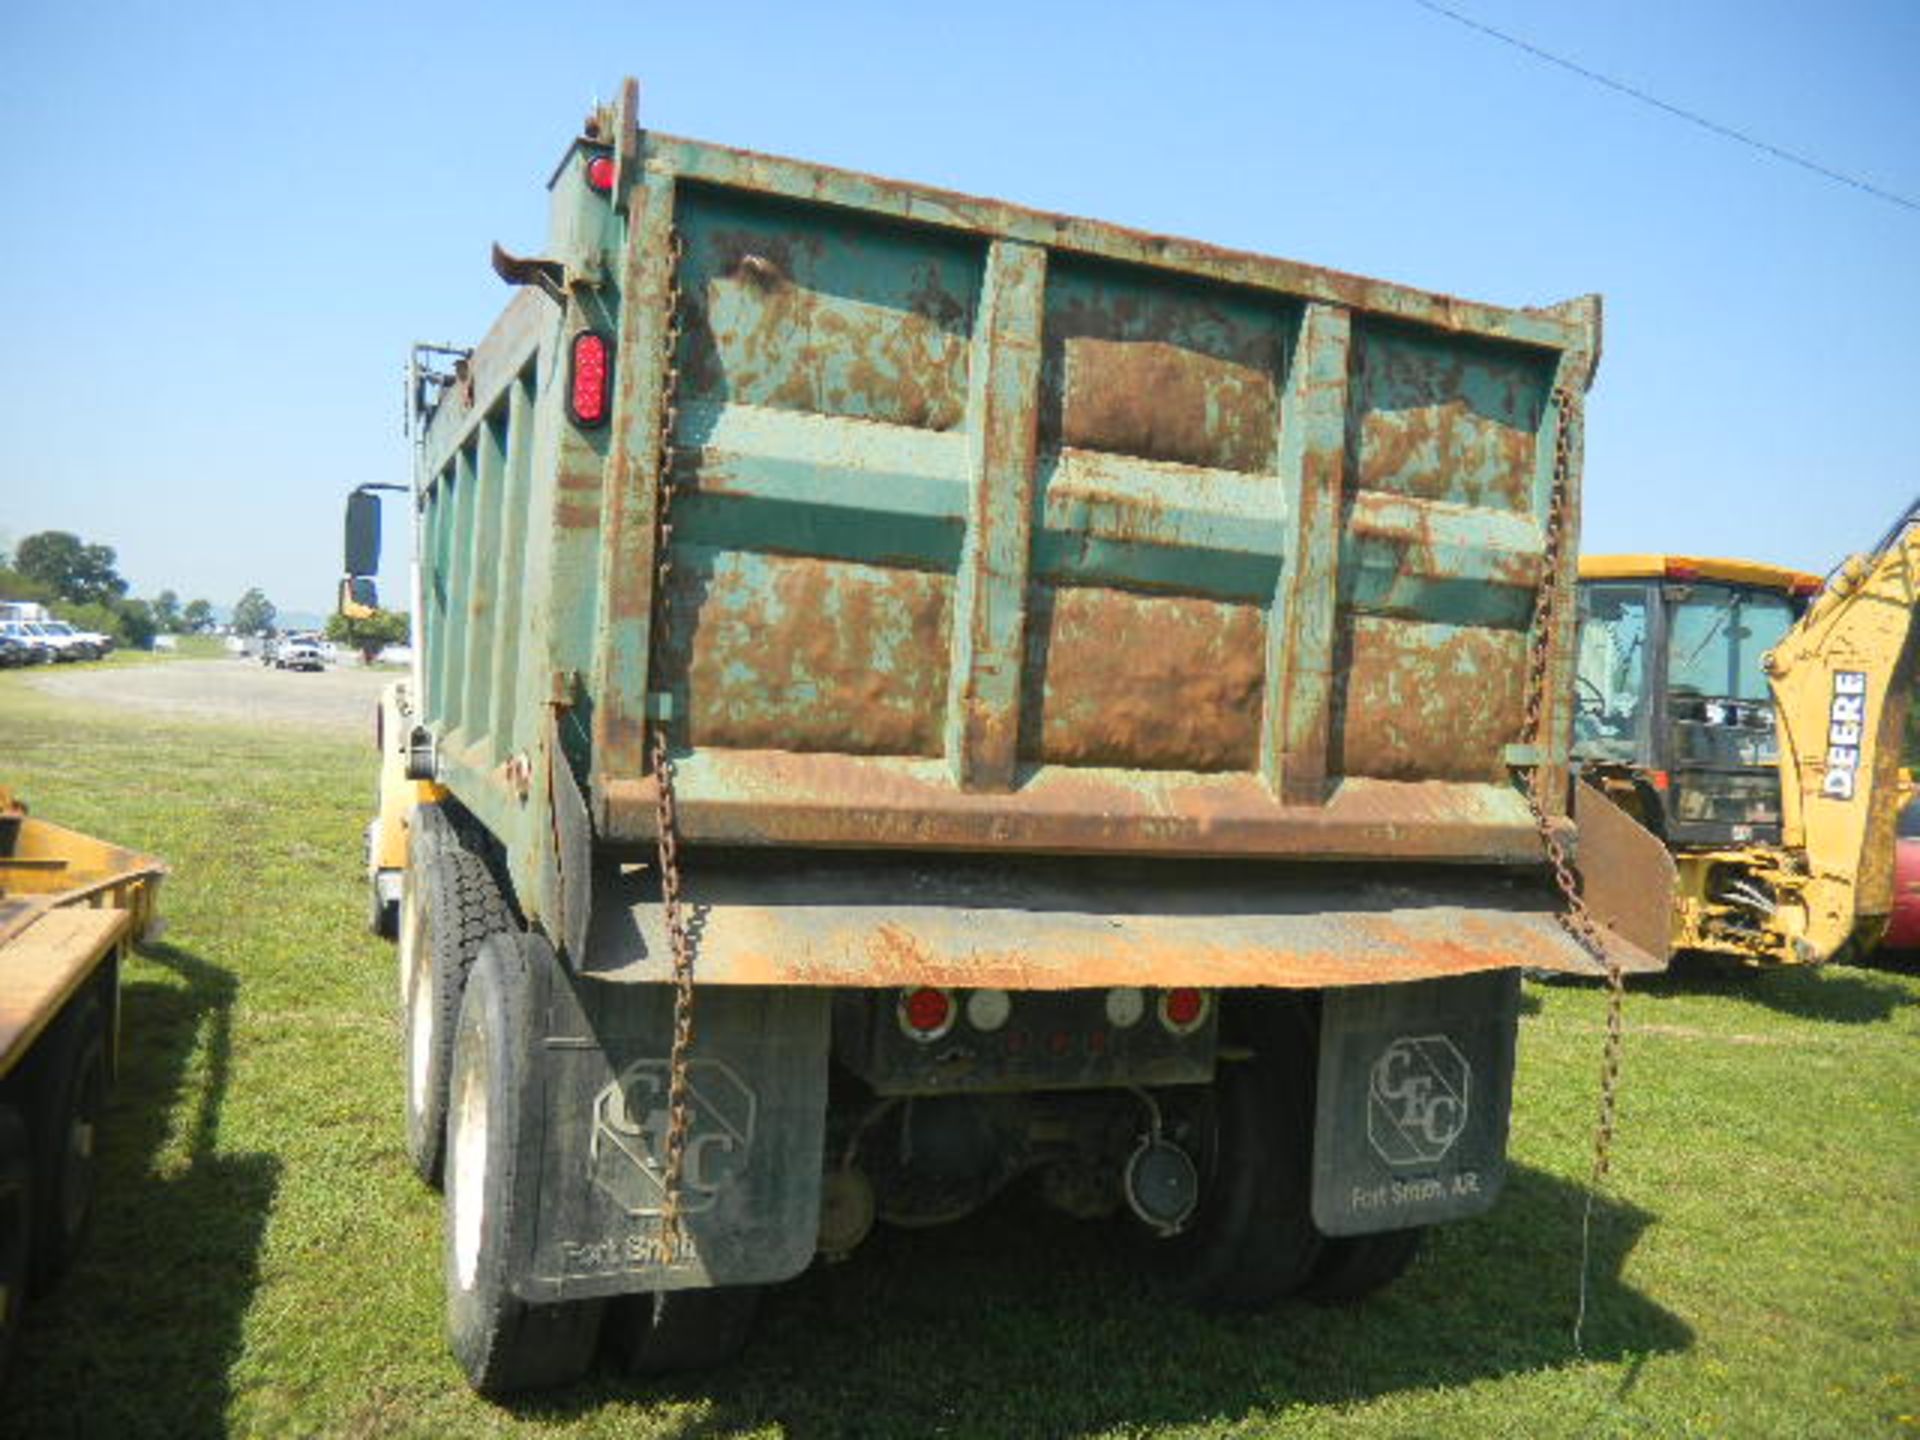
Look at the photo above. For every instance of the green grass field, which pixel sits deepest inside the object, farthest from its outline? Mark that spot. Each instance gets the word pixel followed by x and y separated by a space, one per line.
pixel 264 1263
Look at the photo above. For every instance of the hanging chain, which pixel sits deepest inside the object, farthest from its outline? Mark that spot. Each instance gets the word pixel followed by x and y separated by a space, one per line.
pixel 679 1117
pixel 1576 918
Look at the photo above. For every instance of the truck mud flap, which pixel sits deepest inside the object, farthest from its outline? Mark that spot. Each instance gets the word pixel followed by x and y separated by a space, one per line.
pixel 595 1141
pixel 1415 1084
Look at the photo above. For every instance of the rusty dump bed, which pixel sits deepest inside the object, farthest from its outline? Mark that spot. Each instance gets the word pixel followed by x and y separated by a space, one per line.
pixel 993 531
pixel 67 901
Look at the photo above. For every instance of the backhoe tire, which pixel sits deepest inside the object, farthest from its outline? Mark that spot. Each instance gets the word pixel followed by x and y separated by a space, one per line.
pixel 1352 1267
pixel 1251 1240
pixel 503 1344
pixel 451 903
pixel 69 1084
pixel 16 1228
pixel 676 1330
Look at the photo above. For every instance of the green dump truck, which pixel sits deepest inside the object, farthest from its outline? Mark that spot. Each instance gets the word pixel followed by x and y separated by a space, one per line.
pixel 914 695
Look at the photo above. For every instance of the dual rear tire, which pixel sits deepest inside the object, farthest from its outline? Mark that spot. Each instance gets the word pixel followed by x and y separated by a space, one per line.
pixel 451 901
pixel 503 1343
pixel 1252 1241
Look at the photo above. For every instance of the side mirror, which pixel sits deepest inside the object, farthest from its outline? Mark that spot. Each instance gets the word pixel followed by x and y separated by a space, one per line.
pixel 363 534
pixel 358 597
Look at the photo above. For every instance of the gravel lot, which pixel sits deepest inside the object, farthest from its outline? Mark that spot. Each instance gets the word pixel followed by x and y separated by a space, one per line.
pixel 339 699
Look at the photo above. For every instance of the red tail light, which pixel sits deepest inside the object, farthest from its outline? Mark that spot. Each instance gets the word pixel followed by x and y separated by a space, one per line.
pixel 1182 1010
pixel 926 1013
pixel 592 365
pixel 600 173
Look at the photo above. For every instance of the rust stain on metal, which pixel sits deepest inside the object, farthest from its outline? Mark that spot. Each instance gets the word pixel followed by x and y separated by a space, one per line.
pixel 806 654
pixel 1161 401
pixel 782 797
pixel 1161 683
pixel 965 213
pixel 1445 422
pixel 1136 365
pixel 766 945
pixel 1419 702
pixel 782 320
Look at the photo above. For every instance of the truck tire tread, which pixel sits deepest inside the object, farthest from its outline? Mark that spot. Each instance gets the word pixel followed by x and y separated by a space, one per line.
pixel 463 903
pixel 676 1330
pixel 1352 1267
pixel 16 1228
pixel 1252 1242
pixel 70 1080
pixel 503 1344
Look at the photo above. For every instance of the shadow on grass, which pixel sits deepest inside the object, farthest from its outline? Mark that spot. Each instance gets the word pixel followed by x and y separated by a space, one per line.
pixel 139 1338
pixel 1021 1322
pixel 1898 962
pixel 1842 994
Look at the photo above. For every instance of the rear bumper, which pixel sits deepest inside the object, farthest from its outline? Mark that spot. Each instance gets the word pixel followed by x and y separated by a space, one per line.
pixel 1066 924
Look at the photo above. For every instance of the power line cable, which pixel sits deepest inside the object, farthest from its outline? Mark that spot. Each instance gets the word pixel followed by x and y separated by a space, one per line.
pixel 1645 99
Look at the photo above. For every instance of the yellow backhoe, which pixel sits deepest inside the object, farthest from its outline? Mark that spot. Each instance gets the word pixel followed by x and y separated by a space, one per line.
pixel 1752 717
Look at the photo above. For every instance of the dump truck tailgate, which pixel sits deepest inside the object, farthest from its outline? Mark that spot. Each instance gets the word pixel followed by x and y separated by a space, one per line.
pixel 996 530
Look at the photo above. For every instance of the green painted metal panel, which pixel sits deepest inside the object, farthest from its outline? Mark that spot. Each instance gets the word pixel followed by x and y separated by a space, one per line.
pixel 995 529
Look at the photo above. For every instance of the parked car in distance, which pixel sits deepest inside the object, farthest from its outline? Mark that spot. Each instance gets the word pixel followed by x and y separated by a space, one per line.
pixel 41 649
pixel 297 652
pixel 73 644
pixel 15 651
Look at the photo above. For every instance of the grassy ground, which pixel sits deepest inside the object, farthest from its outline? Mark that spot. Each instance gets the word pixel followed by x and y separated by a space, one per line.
pixel 263 1262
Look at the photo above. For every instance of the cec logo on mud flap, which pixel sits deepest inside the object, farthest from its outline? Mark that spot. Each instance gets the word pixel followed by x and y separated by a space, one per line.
pixel 1417 1099
pixel 627 1156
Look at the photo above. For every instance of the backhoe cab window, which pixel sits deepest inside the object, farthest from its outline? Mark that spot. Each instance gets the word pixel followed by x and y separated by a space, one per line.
pixel 1716 635
pixel 1610 683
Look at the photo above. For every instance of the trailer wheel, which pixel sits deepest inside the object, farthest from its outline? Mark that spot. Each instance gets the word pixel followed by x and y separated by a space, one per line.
pixel 503 1343
pixel 672 1330
pixel 16 1227
pixel 1252 1239
pixel 65 1124
pixel 451 903
pixel 1352 1267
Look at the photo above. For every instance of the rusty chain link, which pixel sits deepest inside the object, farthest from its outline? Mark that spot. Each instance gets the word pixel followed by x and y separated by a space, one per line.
pixel 679 1118
pixel 1576 918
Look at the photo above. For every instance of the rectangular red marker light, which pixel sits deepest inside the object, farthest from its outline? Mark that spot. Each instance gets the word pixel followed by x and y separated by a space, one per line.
pixel 587 395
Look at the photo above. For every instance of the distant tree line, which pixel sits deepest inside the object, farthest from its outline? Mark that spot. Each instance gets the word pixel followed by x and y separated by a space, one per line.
pixel 79 582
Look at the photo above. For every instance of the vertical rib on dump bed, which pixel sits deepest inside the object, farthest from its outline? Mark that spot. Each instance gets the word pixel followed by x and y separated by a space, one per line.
pixel 995 530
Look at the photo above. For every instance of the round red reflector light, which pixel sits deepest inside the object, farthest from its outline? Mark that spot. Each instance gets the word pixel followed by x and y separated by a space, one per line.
pixel 587 395
pixel 600 173
pixel 1183 1008
pixel 926 1012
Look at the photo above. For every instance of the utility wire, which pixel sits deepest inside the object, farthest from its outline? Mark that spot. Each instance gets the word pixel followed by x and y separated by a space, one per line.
pixel 1705 124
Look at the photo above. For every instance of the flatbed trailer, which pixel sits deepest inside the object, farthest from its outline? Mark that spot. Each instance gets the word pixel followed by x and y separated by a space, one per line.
pixel 70 907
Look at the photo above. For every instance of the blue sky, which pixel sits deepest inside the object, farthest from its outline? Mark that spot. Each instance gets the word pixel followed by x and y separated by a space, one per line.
pixel 225 223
